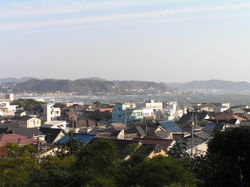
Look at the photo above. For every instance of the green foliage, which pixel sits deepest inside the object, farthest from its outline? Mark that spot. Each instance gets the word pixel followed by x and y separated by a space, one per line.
pixel 233 147
pixel 54 171
pixel 18 167
pixel 98 159
pixel 97 103
pixel 13 150
pixel 71 147
pixel 179 150
pixel 27 103
pixel 60 105
pixel 95 164
pixel 159 171
pixel 227 162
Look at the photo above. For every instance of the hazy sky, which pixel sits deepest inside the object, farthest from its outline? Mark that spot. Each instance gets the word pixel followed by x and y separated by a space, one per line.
pixel 155 40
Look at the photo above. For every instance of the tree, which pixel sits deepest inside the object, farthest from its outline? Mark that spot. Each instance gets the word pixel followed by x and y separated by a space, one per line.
pixel 55 171
pixel 179 150
pixel 227 161
pixel 159 171
pixel 233 146
pixel 27 103
pixel 18 166
pixel 97 160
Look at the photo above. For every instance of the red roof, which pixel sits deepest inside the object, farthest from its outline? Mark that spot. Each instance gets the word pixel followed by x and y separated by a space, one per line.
pixel 14 138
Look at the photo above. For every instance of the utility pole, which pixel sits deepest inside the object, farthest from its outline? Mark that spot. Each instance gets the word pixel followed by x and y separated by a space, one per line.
pixel 192 135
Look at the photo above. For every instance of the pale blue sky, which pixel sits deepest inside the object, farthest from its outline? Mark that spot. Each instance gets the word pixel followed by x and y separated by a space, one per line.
pixel 155 40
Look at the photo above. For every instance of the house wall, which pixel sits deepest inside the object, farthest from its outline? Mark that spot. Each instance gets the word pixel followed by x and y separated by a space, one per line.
pixel 200 149
pixel 154 105
pixel 148 112
pixel 123 114
pixel 33 122
pixel 52 113
pixel 154 154
pixel 121 135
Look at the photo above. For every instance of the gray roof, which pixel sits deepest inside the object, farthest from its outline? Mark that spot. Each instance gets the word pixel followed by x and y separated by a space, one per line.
pixel 29 132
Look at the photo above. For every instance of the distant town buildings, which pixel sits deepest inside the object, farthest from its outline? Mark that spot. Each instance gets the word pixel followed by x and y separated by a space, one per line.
pixel 160 124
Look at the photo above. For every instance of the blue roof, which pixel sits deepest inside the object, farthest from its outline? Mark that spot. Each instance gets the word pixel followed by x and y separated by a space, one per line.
pixel 83 138
pixel 170 126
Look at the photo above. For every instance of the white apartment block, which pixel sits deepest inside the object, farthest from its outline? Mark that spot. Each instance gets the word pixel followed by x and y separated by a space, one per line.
pixel 52 113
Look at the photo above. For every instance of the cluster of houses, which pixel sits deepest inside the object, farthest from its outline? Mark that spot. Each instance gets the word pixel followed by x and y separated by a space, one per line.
pixel 154 127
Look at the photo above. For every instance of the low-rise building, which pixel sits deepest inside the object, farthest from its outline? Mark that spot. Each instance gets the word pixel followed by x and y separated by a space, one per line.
pixel 55 124
pixel 27 121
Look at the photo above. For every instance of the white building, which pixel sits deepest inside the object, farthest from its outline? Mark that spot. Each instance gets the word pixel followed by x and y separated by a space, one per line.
pixel 55 124
pixel 148 112
pixel 7 109
pixel 171 110
pixel 10 97
pixel 51 112
pixel 221 107
pixel 154 105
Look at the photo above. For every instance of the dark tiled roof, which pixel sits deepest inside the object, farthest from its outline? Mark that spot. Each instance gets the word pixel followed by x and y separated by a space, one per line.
pixel 51 134
pixel 29 132
pixel 9 125
pixel 19 111
pixel 5 130
pixel 189 117
pixel 115 133
pixel 15 129
pixel 89 123
pixel 163 143
pixel 147 149
pixel 22 118
pixel 135 130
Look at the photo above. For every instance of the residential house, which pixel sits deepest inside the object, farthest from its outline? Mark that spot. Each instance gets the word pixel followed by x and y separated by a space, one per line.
pixel 164 144
pixel 55 124
pixel 126 113
pixel 194 117
pixel 117 134
pixel 27 121
pixel 7 109
pixel 227 118
pixel 221 107
pixel 204 107
pixel 148 150
pixel 52 135
pixel 20 113
pixel 197 145
pixel 83 138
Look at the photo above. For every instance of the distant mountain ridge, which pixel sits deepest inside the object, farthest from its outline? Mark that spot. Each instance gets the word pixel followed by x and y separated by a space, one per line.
pixel 215 85
pixel 86 87
pixel 99 86
pixel 14 80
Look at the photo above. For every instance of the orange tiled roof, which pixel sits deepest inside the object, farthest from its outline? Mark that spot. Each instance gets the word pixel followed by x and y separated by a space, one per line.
pixel 228 117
